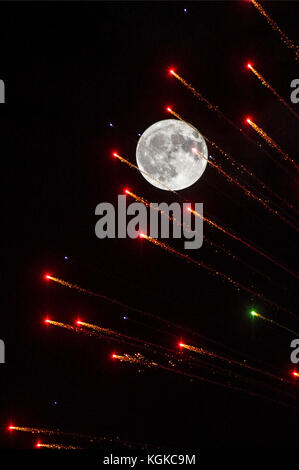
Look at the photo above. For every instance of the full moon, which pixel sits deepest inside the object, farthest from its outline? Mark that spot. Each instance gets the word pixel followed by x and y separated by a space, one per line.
pixel 165 157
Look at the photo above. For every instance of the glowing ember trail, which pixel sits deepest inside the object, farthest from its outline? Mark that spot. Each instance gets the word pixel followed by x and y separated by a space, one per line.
pixel 275 27
pixel 271 142
pixel 246 190
pixel 131 165
pixel 252 247
pixel 267 85
pixel 273 322
pixel 205 352
pixel 236 284
pixel 257 250
pixel 241 168
pixel 58 432
pixel 41 445
pixel 61 325
pixel 138 359
pixel 135 359
pixel 214 245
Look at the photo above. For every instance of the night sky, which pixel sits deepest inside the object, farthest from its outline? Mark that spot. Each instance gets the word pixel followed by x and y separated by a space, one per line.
pixel 71 69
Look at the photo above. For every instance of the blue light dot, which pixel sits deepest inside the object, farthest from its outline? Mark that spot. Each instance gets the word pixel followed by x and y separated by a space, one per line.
pixel 66 257
pixel 185 10
pixel 125 318
pixel 110 124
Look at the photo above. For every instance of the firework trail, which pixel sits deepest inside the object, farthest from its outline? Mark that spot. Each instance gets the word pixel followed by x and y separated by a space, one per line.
pixel 135 359
pixel 61 325
pixel 271 142
pixel 267 85
pixel 133 309
pixel 243 364
pixel 120 337
pixel 287 42
pixel 246 190
pixel 241 168
pixel 131 165
pixel 214 108
pixel 215 246
pixel 138 359
pixel 269 320
pixel 110 299
pixel 250 246
pixel 227 232
pixel 72 435
pixel 236 284
pixel 41 445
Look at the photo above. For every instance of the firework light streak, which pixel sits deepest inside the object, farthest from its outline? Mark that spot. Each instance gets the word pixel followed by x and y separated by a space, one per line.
pixel 250 246
pixel 236 284
pixel 213 224
pixel 61 325
pixel 273 322
pixel 120 337
pixel 72 435
pixel 41 445
pixel 135 167
pixel 246 190
pixel 271 142
pixel 215 246
pixel 211 107
pixel 205 352
pixel 241 168
pixel 267 85
pixel 275 27
pixel 235 237
pixel 135 359
pixel 113 301
pixel 138 359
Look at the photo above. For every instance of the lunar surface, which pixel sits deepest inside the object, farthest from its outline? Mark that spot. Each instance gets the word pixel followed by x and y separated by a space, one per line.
pixel 165 157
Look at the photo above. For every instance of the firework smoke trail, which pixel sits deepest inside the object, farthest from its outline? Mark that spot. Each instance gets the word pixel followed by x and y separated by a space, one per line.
pixel 236 284
pixel 287 42
pixel 41 445
pixel 140 360
pixel 216 246
pixel 273 322
pixel 267 85
pixel 271 142
pixel 246 190
pixel 250 246
pixel 215 225
pixel 241 168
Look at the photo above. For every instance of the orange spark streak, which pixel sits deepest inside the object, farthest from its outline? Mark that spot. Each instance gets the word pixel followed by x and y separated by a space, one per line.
pixel 284 38
pixel 236 284
pixel 233 180
pixel 267 85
